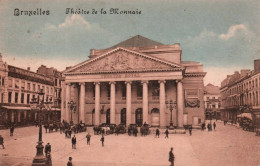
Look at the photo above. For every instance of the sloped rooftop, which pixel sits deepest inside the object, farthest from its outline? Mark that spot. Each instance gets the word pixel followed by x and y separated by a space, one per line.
pixel 137 41
pixel 211 89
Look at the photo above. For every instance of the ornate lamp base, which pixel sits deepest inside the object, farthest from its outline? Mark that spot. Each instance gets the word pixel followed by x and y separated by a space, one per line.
pixel 171 127
pixel 39 159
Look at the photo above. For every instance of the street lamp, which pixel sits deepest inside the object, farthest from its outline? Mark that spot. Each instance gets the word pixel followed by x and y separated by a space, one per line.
pixel 171 105
pixel 72 106
pixel 39 159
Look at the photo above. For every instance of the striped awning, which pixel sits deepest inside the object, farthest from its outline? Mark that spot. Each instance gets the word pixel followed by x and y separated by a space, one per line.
pixel 16 108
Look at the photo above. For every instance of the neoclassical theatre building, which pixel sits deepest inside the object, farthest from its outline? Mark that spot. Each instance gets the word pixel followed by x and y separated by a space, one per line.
pixel 131 83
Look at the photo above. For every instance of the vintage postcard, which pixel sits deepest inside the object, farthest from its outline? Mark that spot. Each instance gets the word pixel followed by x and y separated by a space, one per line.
pixel 129 83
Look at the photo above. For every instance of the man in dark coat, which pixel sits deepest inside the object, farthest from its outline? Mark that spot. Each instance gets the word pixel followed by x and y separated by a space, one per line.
pixel 88 138
pixel 171 157
pixel 69 163
pixel 102 140
pixel 47 149
pixel 157 133
pixel 73 141
pixel 190 130
pixel 2 141
pixel 12 130
pixel 214 125
pixel 166 133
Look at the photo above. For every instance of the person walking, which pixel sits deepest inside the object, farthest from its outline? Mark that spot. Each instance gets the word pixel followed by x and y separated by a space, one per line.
pixel 12 130
pixel 102 140
pixel 167 133
pixel 74 141
pixel 190 130
pixel 69 163
pixel 47 149
pixel 171 157
pixel 214 125
pixel 2 141
pixel 88 138
pixel 208 126
pixel 157 133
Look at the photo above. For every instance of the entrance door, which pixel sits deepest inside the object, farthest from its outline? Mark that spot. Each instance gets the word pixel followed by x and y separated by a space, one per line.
pixel 108 116
pixel 139 116
pixel 123 116
pixel 155 117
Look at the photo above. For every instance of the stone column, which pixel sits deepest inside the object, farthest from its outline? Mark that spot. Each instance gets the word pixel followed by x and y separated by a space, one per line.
pixel 145 101
pixel 162 103
pixel 180 103
pixel 67 114
pixel 112 102
pixel 20 92
pixel 97 102
pixel 82 102
pixel 5 100
pixel 128 102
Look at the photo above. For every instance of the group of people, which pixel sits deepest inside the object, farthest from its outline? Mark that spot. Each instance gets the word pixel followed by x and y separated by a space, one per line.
pixel 157 133
pixel 209 126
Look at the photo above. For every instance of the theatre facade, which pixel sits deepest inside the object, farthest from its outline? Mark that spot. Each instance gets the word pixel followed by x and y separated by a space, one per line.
pixel 131 83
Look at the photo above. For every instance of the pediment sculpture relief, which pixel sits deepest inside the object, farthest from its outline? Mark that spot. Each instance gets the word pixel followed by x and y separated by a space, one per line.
pixel 122 61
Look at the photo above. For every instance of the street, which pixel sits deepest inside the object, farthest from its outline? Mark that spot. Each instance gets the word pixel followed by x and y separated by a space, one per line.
pixel 227 146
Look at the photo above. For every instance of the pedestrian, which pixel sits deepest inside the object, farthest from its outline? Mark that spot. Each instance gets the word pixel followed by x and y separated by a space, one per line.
pixel 47 149
pixel 171 157
pixel 102 140
pixel 69 163
pixel 208 126
pixel 46 127
pixel 88 138
pixel 157 133
pixel 2 141
pixel 12 130
pixel 190 130
pixel 166 133
pixel 203 126
pixel 74 141
pixel 214 125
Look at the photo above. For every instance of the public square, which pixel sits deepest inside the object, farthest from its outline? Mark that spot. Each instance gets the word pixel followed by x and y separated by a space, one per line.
pixel 226 146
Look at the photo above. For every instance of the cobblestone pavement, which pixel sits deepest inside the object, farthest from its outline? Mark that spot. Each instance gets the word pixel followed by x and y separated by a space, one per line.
pixel 227 146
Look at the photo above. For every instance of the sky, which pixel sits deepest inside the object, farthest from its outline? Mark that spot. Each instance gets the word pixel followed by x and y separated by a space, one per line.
pixel 223 35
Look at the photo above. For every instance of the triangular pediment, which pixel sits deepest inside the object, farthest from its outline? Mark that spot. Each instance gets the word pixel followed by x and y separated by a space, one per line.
pixel 122 59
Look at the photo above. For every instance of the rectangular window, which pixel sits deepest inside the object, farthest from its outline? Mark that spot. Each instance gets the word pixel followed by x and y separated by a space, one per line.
pixel 28 86
pixel 43 89
pixel 9 97
pixel 34 87
pixel 139 91
pixel 16 97
pixel 51 91
pixel 123 89
pixel 207 98
pixel 47 90
pixel 16 85
pixel 213 98
pixel 22 98
pixel 10 83
pixel 2 99
pixel 23 85
pixel 39 88
pixel 28 98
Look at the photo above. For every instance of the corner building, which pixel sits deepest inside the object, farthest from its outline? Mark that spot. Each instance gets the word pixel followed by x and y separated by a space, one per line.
pixel 131 83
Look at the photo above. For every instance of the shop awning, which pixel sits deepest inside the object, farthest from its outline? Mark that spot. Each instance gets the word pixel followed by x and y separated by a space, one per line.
pixel 247 115
pixel 16 108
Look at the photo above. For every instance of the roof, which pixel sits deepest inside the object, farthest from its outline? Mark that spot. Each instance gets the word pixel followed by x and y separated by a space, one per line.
pixel 137 41
pixel 212 89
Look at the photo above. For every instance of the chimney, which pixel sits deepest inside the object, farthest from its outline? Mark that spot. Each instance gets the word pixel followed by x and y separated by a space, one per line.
pixel 257 65
pixel 28 68
pixel 244 72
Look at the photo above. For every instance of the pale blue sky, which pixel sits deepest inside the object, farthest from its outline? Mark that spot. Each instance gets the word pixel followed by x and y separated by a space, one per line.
pixel 223 35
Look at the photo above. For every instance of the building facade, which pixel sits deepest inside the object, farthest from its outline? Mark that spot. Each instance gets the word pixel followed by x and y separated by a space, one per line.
pixel 240 94
pixel 212 101
pixel 19 87
pixel 132 82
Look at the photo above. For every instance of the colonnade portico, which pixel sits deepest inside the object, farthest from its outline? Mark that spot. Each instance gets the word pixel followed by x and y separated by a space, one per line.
pixel 128 103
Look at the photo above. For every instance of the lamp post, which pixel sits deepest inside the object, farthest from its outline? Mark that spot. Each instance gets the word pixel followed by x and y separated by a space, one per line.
pixel 39 159
pixel 72 106
pixel 171 105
